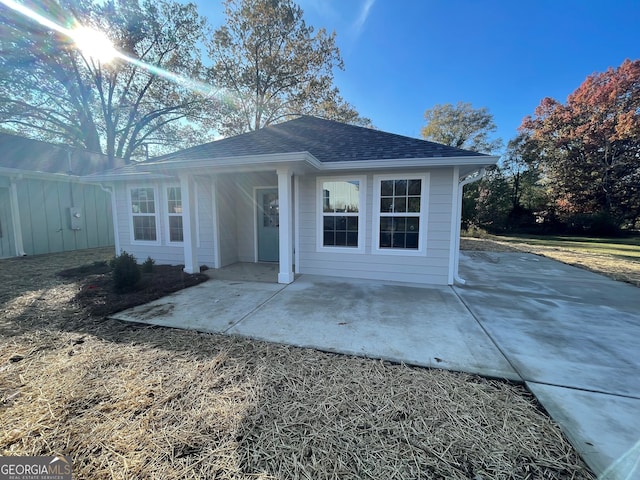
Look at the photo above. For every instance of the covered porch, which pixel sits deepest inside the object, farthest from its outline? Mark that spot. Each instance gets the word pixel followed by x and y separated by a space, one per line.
pixel 254 212
pixel 261 272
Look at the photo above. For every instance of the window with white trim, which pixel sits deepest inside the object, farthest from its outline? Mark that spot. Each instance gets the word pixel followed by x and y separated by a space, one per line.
pixel 341 202
pixel 174 212
pixel 143 213
pixel 400 213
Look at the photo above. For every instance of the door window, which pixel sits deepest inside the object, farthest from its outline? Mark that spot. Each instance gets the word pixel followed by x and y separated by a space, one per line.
pixel 270 210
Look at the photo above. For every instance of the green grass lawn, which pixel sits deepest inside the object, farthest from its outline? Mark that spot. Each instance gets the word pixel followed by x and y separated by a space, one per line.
pixel 624 247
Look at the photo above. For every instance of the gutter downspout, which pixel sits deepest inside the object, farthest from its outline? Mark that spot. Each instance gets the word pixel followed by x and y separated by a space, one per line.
pixel 456 252
pixel 114 215
pixel 15 217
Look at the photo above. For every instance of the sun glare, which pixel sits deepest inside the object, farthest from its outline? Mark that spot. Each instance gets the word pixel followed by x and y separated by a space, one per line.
pixel 93 43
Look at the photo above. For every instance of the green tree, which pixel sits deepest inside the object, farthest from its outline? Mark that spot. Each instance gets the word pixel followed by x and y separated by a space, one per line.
pixel 461 126
pixel 521 163
pixel 590 146
pixel 50 90
pixel 272 66
pixel 512 194
pixel 486 204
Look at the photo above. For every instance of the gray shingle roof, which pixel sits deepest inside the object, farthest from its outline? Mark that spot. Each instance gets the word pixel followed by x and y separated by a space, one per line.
pixel 35 156
pixel 326 140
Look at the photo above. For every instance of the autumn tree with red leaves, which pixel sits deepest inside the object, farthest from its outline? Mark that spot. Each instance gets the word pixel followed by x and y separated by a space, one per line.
pixel 590 146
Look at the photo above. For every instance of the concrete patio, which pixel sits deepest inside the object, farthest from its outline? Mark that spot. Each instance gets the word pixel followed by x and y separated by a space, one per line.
pixel 572 336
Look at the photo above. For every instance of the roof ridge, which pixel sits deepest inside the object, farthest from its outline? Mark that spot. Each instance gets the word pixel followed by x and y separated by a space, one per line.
pixel 371 129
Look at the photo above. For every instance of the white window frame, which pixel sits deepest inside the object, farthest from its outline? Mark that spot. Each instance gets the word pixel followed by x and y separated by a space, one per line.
pixel 422 235
pixel 156 214
pixel 362 200
pixel 169 214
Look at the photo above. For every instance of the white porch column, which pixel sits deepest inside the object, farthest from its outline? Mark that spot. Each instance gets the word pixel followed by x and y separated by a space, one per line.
pixel 296 223
pixel 216 224
pixel 16 221
pixel 187 191
pixel 285 229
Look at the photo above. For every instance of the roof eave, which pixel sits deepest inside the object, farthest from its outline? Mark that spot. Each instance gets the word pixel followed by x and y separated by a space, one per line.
pixel 272 160
pixel 166 169
pixel 18 172
pixel 475 160
pixel 302 161
pixel 122 177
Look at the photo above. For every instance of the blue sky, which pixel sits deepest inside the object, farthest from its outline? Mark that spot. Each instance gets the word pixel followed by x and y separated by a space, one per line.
pixel 404 56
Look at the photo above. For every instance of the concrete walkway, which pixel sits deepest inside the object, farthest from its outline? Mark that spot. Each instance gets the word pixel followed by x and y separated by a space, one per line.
pixel 571 335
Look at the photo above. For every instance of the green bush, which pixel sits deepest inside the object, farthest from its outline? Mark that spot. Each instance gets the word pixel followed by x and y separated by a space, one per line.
pixel 147 265
pixel 599 224
pixel 126 272
pixel 521 219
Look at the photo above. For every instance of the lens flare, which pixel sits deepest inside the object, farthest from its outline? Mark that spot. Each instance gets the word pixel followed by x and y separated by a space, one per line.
pixel 96 45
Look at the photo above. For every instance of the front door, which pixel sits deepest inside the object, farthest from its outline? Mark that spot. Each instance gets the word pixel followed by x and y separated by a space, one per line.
pixel 268 224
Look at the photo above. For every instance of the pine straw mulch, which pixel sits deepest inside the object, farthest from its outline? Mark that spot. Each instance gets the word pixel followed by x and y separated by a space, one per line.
pixel 98 295
pixel 132 401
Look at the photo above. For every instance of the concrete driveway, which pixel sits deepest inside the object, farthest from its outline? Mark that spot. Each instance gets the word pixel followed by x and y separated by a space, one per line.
pixel 574 337
pixel 571 335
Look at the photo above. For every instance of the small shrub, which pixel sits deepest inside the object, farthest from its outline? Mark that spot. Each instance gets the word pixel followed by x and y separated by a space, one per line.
pixel 147 265
pixel 474 231
pixel 126 272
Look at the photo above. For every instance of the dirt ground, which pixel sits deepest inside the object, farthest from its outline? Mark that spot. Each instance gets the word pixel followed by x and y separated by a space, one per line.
pixel 132 401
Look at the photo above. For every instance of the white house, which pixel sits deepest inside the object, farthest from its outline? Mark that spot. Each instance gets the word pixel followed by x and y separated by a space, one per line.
pixel 317 196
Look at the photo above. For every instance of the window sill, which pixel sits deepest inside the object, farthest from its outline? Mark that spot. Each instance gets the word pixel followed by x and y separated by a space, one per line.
pixel 155 243
pixel 399 251
pixel 353 250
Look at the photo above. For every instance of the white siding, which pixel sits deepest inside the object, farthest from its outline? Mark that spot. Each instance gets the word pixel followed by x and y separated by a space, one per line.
pixel 205 227
pixel 430 267
pixel 166 253
pixel 235 201
pixel 227 225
